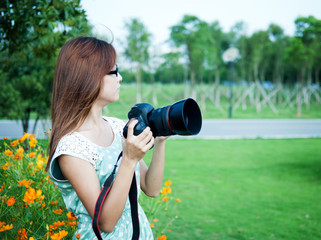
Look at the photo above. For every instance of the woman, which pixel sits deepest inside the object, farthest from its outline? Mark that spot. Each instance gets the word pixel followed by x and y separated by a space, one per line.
pixel 84 145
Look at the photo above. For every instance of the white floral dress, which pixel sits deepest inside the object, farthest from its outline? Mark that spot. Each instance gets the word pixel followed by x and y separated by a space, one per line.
pixel 103 159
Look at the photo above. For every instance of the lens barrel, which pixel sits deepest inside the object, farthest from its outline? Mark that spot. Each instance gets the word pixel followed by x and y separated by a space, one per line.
pixel 182 118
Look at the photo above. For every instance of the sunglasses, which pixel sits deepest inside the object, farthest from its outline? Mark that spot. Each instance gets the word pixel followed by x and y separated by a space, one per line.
pixel 114 71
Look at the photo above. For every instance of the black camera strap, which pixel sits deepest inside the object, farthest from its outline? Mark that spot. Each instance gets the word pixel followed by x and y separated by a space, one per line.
pixel 132 199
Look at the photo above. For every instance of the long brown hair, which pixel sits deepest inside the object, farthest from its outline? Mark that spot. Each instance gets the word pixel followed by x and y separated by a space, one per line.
pixel 82 63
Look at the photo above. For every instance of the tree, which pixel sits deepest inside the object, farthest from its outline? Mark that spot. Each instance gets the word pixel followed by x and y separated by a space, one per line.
pixel 308 29
pixel 137 49
pixel 31 33
pixel 296 54
pixel 171 70
pixel 193 35
pixel 277 47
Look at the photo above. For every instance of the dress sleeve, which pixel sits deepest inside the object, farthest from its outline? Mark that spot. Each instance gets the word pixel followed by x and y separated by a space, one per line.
pixel 72 145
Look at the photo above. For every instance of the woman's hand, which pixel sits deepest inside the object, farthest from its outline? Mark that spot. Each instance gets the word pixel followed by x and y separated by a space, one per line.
pixel 135 147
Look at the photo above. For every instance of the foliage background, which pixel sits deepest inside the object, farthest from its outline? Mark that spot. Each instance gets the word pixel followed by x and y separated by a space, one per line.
pixel 274 69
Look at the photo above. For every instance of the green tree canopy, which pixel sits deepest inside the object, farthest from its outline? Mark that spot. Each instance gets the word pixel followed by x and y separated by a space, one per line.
pixel 31 34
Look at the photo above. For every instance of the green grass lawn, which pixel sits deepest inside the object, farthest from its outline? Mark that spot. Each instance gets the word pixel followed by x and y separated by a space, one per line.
pixel 242 189
pixel 245 189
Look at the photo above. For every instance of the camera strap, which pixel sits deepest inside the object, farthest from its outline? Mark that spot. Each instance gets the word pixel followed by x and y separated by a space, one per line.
pixel 132 199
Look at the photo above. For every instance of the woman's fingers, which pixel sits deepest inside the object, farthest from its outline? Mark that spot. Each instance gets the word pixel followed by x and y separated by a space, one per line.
pixel 136 146
pixel 147 136
pixel 132 123
pixel 150 144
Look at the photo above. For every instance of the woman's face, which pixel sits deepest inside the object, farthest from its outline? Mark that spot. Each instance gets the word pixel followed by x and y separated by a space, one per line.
pixel 109 91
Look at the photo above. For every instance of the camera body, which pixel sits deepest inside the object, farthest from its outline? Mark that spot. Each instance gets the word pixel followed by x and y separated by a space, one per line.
pixel 182 118
pixel 140 112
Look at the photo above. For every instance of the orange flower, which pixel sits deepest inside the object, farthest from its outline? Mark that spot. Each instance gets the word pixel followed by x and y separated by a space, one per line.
pixel 8 152
pixel 163 237
pixel 1 189
pixel 5 138
pixel 168 183
pixel 17 157
pixel 39 165
pixel 40 161
pixel 25 136
pixel 58 211
pixel 60 235
pixel 19 153
pixel 5 227
pixel 23 234
pixel 78 235
pixel 72 223
pixel 155 220
pixel 32 155
pixel 25 183
pixel 178 200
pixel 165 199
pixel 31 195
pixel 33 141
pixel 151 225
pixel 166 190
pixel 11 201
pixel 56 225
pixel 32 136
pixel 14 143
pixel 39 196
pixel 53 202
pixel 71 216
pixel 6 166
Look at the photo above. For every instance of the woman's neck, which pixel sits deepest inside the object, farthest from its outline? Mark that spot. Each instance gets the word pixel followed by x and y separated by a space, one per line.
pixel 93 121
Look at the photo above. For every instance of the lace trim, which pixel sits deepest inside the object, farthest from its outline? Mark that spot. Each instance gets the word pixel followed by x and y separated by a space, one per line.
pixel 75 145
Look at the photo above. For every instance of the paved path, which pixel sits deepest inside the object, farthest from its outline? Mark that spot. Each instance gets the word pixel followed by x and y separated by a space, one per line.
pixel 211 129
pixel 260 128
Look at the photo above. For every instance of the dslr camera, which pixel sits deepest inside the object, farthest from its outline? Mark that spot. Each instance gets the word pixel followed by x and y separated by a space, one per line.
pixel 181 118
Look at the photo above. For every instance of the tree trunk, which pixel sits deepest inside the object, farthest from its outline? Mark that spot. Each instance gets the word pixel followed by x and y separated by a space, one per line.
pixel 139 85
pixel 154 90
pixel 257 96
pixel 186 90
pixel 216 88
pixel 308 88
pixel 35 125
pixel 193 84
pixel 299 94
pixel 25 120
pixel 316 76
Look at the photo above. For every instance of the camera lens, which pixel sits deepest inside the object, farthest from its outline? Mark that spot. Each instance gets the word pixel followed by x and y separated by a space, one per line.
pixel 182 118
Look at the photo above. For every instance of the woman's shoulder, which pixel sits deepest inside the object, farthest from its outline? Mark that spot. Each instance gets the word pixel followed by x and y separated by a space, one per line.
pixel 70 141
pixel 75 145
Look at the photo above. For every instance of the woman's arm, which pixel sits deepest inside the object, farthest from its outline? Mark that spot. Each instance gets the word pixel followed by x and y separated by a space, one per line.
pixel 152 176
pixel 85 182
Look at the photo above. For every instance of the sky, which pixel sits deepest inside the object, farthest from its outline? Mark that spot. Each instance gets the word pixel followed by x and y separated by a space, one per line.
pixel 159 16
